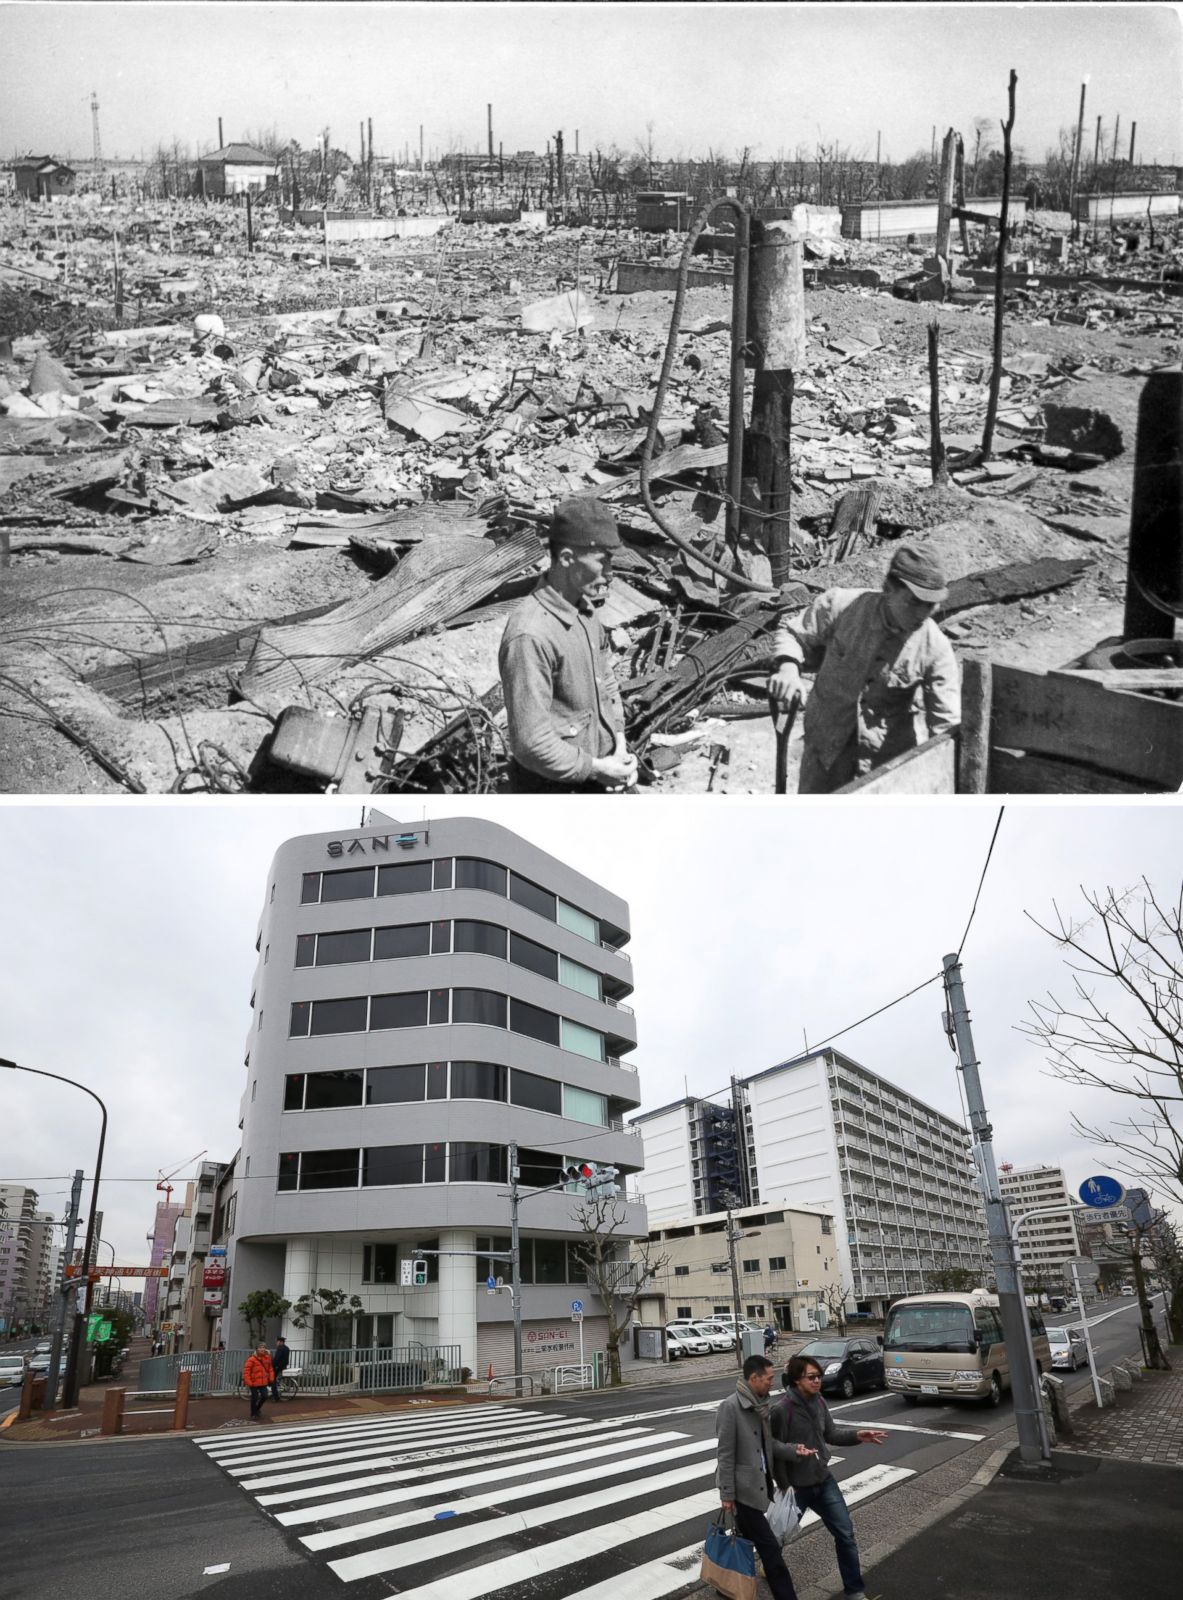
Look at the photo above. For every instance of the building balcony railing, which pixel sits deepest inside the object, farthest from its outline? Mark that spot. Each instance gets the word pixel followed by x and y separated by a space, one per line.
pixel 618 1005
pixel 606 944
pixel 619 1061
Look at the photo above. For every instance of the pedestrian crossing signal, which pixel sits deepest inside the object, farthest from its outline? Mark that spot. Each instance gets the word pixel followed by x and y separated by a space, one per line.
pixel 419 1273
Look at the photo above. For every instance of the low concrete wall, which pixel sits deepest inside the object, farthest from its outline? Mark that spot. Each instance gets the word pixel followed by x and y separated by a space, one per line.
pixel 1099 210
pixel 896 219
pixel 634 276
pixel 346 227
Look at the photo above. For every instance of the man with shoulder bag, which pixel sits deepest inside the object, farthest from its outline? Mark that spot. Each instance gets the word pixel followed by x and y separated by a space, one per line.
pixel 747 1451
pixel 803 1418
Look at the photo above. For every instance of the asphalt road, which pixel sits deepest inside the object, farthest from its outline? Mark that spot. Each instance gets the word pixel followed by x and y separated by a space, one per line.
pixel 601 1496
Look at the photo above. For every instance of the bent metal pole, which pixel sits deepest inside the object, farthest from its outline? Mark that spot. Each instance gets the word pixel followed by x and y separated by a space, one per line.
pixel 1012 1308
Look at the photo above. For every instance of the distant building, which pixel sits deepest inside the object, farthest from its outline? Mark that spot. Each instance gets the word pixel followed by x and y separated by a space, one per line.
pixel 236 169
pixel 787 1266
pixel 161 1240
pixel 823 1133
pixel 1050 1238
pixel 42 178
pixel 663 211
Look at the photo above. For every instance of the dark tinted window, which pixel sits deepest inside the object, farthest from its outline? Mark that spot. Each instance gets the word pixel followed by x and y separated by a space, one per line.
pixel 534 1022
pixel 412 877
pixel 577 1269
pixel 550 1261
pixel 339 1016
pixel 301 1016
pixel 478 1080
pixel 357 883
pixel 437 1080
pixel 443 873
pixel 409 940
pixel 440 1003
pixel 380 1263
pixel 539 1168
pixel 478 1005
pixel 309 889
pixel 531 896
pixel 478 1163
pixel 293 1092
pixel 472 873
pixel 482 938
pixel 441 938
pixel 525 953
pixel 305 949
pixel 289 1170
pixel 387 1086
pixel 399 1010
pixel 334 948
pixel 327 1089
pixel 328 1169
pixel 540 1094
pixel 392 1163
pixel 434 1163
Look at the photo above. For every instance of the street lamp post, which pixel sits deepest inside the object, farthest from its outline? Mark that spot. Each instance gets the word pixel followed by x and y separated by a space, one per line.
pixel 70 1388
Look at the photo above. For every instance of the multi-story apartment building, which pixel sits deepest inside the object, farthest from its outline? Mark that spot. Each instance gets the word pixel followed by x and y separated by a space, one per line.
pixel 1049 1238
pixel 786 1264
pixel 424 998
pixel 29 1259
pixel 161 1240
pixel 824 1133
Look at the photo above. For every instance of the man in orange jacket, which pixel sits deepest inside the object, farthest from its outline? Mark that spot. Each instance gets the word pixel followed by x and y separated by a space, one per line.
pixel 258 1374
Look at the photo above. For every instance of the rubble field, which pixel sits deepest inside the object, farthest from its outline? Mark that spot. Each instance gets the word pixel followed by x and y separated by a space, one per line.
pixel 237 488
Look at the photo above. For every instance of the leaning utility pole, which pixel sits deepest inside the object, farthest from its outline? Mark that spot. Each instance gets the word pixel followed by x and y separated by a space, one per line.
pixel 1012 1307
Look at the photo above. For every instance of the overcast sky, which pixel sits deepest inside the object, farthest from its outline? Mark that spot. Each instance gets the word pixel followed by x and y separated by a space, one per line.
pixel 127 950
pixel 724 77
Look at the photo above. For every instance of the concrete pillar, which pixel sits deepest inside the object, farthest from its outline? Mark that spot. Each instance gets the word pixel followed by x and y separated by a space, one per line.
pixel 458 1295
pixel 299 1278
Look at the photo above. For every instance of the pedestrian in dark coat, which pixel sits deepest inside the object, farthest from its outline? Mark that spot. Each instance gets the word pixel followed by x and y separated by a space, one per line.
pixel 802 1417
pixel 280 1357
pixel 258 1374
pixel 747 1451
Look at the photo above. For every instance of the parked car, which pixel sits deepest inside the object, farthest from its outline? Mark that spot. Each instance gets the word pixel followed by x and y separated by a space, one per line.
pixel 12 1369
pixel 847 1365
pixel 715 1334
pixel 681 1342
pixel 1068 1348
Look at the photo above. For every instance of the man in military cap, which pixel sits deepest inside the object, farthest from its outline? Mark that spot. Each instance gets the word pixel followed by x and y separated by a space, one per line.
pixel 886 679
pixel 565 719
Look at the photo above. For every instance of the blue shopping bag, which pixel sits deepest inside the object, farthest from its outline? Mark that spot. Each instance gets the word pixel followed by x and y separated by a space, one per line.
pixel 729 1562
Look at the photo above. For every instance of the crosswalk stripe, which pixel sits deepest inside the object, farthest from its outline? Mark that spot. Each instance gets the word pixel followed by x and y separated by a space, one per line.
pixel 668 1573
pixel 311 1436
pixel 417 1491
pixel 501 1496
pixel 487 1578
pixel 389 1558
pixel 416 1419
pixel 326 1448
pixel 440 1461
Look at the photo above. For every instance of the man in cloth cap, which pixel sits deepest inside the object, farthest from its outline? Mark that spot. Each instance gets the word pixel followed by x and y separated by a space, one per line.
pixel 886 679
pixel 565 719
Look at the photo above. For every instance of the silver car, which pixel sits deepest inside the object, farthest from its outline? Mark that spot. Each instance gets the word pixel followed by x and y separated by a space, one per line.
pixel 717 1336
pixel 1068 1348
pixel 682 1342
pixel 12 1369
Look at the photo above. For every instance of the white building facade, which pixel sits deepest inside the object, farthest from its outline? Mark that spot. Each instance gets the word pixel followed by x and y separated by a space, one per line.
pixel 424 999
pixel 1048 1239
pixel 823 1133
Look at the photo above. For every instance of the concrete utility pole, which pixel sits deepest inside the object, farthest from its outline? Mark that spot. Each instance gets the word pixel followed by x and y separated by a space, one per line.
pixel 221 141
pixel 1076 159
pixel 1133 132
pixel 489 109
pixel 734 1235
pixel 1012 1307
pixel 65 1290
pixel 515 1254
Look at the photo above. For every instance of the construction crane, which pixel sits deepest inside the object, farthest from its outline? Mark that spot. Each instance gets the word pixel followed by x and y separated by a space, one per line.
pixel 98 143
pixel 164 1185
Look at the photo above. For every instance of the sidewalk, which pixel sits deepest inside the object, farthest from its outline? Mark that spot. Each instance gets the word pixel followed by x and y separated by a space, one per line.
pixel 1104 1523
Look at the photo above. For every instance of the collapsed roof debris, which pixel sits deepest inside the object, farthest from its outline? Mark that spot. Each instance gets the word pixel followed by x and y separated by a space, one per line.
pixel 274 485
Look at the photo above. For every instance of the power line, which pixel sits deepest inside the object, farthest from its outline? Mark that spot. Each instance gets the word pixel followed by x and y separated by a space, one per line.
pixel 981 881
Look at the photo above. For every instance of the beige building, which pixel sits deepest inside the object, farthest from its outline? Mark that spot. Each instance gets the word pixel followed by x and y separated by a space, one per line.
pixel 786 1262
pixel 1050 1238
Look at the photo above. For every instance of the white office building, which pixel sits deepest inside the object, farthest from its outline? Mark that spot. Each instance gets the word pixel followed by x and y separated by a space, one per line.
pixel 1049 1238
pixel 824 1133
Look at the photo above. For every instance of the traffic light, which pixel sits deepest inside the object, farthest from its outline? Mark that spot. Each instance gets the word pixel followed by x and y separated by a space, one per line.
pixel 581 1172
pixel 419 1273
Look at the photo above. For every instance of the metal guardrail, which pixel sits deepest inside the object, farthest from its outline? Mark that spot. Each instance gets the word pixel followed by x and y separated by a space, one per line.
pixel 573 1378
pixel 356 1370
pixel 515 1378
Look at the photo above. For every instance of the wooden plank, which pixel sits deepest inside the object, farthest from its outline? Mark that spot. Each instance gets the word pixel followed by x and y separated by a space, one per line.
pixel 1062 714
pixel 683 458
pixel 1013 772
pixel 973 756
pixel 931 768
pixel 437 580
